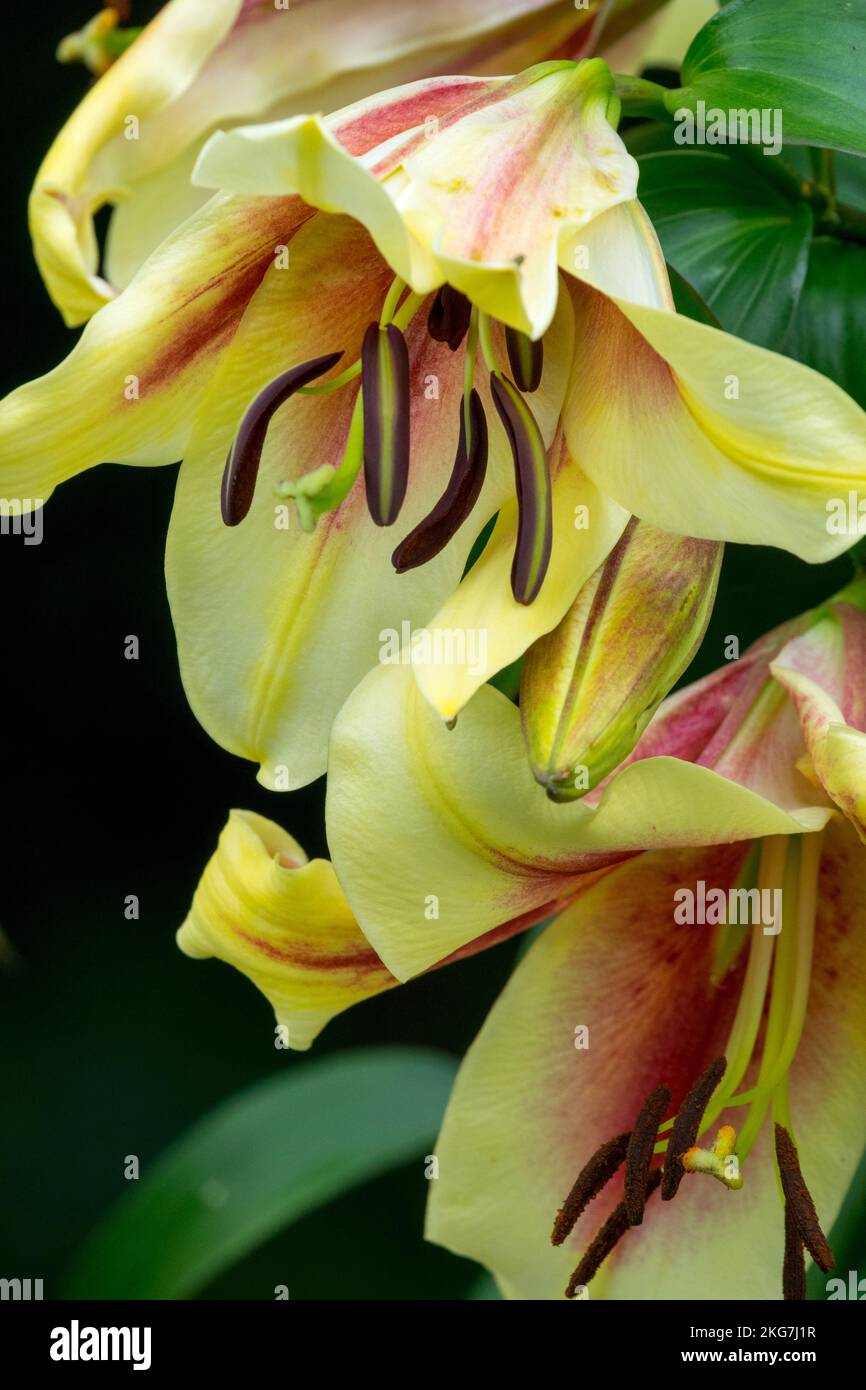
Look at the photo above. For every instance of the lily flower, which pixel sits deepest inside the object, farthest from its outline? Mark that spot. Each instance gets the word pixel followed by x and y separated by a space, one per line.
pixel 199 64
pixel 451 290
pixel 714 982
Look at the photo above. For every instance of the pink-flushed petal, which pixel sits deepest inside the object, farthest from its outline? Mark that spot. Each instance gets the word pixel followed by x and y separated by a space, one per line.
pixel 130 389
pixel 535 1096
pixel 531 1105
pixel 823 672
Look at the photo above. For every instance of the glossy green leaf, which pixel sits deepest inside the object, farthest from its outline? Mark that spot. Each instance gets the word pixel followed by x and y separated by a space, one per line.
pixel 804 58
pixel 733 234
pixel 829 328
pixel 262 1160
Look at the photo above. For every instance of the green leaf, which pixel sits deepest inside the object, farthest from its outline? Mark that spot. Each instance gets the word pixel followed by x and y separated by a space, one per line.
pixel 733 234
pixel 260 1161
pixel 483 1286
pixel 804 58
pixel 846 1238
pixel 829 328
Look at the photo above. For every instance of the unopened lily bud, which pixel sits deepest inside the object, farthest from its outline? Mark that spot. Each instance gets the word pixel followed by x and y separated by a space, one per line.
pixel 591 686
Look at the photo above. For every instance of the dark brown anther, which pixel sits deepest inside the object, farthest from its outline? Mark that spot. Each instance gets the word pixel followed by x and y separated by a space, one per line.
pixel 640 1152
pixel 534 495
pixel 467 479
pixel 526 359
pixel 794 1265
pixel 448 320
pixel 799 1202
pixel 242 465
pixel 687 1126
pixel 607 1238
pixel 385 383
pixel 594 1175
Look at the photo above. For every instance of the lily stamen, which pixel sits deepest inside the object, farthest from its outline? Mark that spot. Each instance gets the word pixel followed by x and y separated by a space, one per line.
pixel 242 464
pixel 798 1201
pixel 794 1262
pixel 594 1176
pixel 611 1233
pixel 687 1126
pixel 640 1152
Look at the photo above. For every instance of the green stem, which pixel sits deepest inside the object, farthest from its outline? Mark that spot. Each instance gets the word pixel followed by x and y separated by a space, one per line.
pixel 641 98
pixel 485 339
pixel 348 375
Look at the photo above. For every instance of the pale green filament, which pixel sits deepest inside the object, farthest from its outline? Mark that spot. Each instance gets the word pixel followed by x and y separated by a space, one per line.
pixel 407 311
pixel 392 299
pixel 795 863
pixel 469 370
pixel 334 385
pixel 486 339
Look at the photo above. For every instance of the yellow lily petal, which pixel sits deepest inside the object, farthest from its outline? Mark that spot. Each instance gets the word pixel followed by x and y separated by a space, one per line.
pixel 129 390
pixel 284 922
pixel 481 628
pixel 315 158
pixel 493 845
pixel 200 63
pixel 532 1100
pixel 276 626
pixel 483 605
pixel 696 431
pixel 425 195
pixel 86 163
pixel 148 215
pixel 545 157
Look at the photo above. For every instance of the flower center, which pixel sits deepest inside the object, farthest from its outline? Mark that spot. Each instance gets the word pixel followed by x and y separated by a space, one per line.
pixel 778 971
pixel 379 435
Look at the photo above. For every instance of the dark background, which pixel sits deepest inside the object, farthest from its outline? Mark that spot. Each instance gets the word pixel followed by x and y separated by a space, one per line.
pixel 112 1042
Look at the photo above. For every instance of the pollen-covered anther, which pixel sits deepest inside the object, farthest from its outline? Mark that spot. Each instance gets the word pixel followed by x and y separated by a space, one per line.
pixel 720 1161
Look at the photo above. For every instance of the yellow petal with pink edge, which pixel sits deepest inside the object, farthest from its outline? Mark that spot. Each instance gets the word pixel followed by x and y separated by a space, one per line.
pixel 500 188
pixel 699 433
pixel 87 164
pixel 443 198
pixel 614 999
pixel 130 389
pixel 494 846
pixel 201 63
pixel 822 671
pixel 283 921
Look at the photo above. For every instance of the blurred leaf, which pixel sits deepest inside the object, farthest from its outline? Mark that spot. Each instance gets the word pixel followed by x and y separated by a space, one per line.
pixel 847 1238
pixel 688 302
pixel 829 328
pixel 484 1287
pixel 798 56
pixel 260 1161
pixel 733 234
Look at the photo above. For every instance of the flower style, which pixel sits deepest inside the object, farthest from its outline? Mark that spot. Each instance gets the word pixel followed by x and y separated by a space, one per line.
pixel 324 317
pixel 200 64
pixel 741 788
